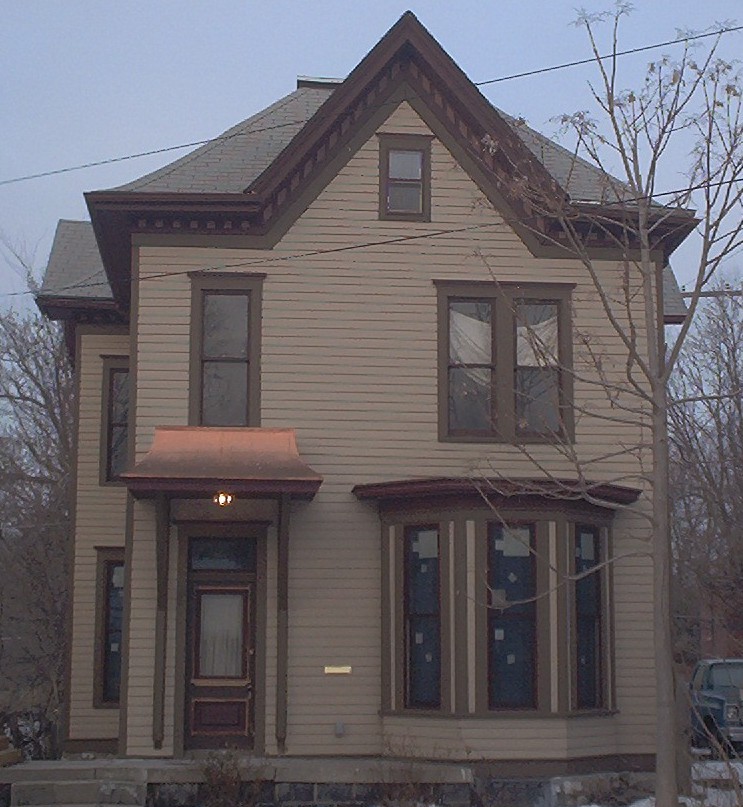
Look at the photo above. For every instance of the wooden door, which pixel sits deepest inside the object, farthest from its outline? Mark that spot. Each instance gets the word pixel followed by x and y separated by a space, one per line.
pixel 220 646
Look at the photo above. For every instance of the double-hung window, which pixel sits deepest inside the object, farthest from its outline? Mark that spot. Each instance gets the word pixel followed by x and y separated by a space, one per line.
pixel 109 633
pixel 405 177
pixel 225 351
pixel 115 418
pixel 422 620
pixel 505 362
pixel 512 624
pixel 588 622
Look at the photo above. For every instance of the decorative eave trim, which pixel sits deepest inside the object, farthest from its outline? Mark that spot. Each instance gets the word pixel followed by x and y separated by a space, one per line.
pixel 602 494
pixel 91 310
pixel 407 64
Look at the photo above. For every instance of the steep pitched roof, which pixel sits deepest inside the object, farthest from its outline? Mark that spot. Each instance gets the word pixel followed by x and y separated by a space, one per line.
pixel 260 169
pixel 233 160
pixel 75 268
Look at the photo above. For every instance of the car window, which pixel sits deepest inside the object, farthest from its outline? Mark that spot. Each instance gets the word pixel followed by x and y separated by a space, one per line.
pixel 727 675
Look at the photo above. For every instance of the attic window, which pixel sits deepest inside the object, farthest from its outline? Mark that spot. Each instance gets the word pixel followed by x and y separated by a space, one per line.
pixel 404 177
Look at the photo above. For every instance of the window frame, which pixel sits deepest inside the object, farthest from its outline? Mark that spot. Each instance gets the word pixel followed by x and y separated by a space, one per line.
pixel 404 142
pixel 464 529
pixel 504 297
pixel 203 284
pixel 536 615
pixel 408 530
pixel 106 558
pixel 111 366
pixel 604 684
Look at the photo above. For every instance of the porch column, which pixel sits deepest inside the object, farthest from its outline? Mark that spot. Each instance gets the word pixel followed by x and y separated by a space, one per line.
pixel 162 545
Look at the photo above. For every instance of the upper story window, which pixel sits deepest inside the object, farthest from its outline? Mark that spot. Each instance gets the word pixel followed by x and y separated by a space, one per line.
pixel 115 419
pixel 505 362
pixel 405 177
pixel 225 351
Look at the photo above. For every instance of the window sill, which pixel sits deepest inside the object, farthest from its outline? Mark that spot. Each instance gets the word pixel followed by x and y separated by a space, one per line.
pixel 388 216
pixel 503 440
pixel 511 714
pixel 111 483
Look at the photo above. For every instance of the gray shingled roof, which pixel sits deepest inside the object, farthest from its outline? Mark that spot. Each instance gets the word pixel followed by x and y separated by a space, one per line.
pixel 230 162
pixel 234 159
pixel 579 178
pixel 75 268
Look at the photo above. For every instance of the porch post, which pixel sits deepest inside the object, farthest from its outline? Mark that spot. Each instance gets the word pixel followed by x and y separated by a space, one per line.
pixel 282 623
pixel 162 546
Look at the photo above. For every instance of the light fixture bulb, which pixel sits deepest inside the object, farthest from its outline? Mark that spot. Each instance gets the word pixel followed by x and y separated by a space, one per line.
pixel 223 499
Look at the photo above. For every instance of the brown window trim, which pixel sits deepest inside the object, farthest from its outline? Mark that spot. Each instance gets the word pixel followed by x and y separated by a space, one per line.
pixel 407 616
pixel 535 615
pixel 202 283
pixel 504 296
pixel 110 364
pixel 105 558
pixel 605 662
pixel 405 142
pixel 396 519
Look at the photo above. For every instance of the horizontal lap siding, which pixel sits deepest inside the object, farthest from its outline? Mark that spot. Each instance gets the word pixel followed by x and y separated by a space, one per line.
pixel 528 738
pixel 100 514
pixel 349 355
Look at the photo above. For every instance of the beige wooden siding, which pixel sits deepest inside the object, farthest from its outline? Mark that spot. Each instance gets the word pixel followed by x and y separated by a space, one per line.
pixel 349 359
pixel 100 513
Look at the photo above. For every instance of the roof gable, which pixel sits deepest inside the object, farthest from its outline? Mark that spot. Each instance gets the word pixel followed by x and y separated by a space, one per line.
pixel 249 185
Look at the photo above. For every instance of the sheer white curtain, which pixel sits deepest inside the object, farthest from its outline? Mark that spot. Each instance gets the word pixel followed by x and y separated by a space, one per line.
pixel 221 640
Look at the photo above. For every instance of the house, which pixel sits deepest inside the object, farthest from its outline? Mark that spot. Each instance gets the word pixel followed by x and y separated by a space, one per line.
pixel 328 366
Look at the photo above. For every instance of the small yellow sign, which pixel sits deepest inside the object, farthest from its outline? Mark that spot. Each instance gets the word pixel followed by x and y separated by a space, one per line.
pixel 338 670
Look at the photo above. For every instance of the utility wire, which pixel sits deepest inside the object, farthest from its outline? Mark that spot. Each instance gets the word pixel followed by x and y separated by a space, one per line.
pixel 592 59
pixel 524 74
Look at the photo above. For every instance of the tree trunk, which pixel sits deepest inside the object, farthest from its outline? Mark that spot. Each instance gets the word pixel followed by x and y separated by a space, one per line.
pixel 666 784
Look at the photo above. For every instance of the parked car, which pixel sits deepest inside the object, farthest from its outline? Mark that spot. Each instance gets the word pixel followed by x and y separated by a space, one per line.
pixel 717 704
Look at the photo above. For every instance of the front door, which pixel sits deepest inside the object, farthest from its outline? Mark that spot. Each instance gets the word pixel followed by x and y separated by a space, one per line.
pixel 220 668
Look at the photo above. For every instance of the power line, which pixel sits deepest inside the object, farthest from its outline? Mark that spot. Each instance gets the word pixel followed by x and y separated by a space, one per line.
pixel 593 59
pixel 215 140
pixel 222 138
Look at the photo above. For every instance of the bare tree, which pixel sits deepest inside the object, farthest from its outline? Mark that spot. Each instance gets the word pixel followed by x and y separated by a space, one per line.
pixel 706 484
pixel 692 105
pixel 36 436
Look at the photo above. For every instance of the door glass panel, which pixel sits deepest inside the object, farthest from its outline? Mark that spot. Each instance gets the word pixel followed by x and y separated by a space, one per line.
pixel 221 636
pixel 222 554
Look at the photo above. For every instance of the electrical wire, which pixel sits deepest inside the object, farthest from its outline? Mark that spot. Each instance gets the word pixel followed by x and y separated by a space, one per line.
pixel 219 139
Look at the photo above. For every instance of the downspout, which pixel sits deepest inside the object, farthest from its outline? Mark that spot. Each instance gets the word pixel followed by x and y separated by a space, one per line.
pixel 282 623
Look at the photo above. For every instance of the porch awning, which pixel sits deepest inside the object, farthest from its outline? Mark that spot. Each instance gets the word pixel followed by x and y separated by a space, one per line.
pixel 200 460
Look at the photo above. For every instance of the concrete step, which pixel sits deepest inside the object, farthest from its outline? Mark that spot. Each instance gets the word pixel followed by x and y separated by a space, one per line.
pixel 9 756
pixel 41 793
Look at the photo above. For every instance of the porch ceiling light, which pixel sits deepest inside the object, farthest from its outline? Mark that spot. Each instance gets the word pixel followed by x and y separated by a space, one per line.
pixel 223 499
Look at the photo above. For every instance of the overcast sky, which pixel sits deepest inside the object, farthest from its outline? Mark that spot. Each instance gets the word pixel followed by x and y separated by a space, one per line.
pixel 90 80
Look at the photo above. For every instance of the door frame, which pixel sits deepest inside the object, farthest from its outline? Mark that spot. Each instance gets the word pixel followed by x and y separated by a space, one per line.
pixel 248 529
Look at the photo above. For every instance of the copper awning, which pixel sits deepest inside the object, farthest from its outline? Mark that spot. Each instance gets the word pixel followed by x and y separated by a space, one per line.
pixel 199 460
